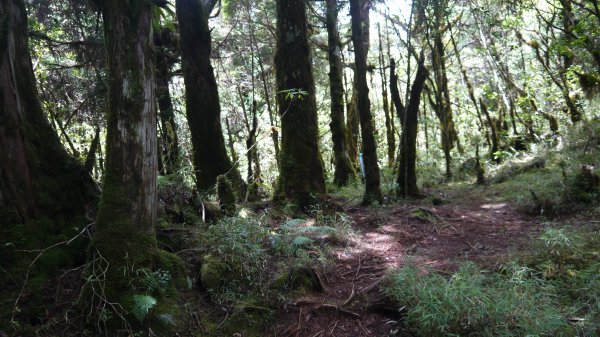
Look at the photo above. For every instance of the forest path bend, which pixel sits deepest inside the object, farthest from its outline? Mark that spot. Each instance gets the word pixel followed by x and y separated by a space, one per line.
pixel 388 237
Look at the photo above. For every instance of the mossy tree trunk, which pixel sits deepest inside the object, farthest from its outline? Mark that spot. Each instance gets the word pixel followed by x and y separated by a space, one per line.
pixel 407 172
pixel 38 179
pixel 203 108
pixel 125 227
pixel 301 169
pixel 369 147
pixel 164 61
pixel 344 170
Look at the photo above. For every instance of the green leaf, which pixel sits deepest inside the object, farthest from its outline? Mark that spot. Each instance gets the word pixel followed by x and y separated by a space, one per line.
pixel 142 304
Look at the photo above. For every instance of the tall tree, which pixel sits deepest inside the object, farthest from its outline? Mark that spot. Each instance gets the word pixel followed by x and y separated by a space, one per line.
pixel 165 59
pixel 344 170
pixel 301 169
pixel 38 179
pixel 125 227
pixel 442 105
pixel 369 147
pixel 389 118
pixel 407 171
pixel 203 108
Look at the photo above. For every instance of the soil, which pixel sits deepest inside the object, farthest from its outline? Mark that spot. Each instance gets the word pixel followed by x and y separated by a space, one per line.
pixel 437 237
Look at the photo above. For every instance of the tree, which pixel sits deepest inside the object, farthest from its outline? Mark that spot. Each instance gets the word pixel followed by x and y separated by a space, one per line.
pixel 407 171
pixel 344 170
pixel 301 169
pixel 125 227
pixel 165 59
pixel 203 108
pixel 39 182
pixel 369 147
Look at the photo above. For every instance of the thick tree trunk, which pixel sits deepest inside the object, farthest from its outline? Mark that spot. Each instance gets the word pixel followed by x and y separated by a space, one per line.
pixel 171 161
pixel 369 147
pixel 203 108
pixel 38 179
pixel 125 227
pixel 344 170
pixel 407 172
pixel 301 174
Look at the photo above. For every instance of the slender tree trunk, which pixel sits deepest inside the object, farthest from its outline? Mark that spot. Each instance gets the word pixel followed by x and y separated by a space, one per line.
pixel 493 130
pixel 443 108
pixel 203 108
pixel 389 121
pixel 353 128
pixel 125 227
pixel 274 132
pixel 344 170
pixel 38 179
pixel 171 161
pixel 231 143
pixel 369 147
pixel 407 172
pixel 301 175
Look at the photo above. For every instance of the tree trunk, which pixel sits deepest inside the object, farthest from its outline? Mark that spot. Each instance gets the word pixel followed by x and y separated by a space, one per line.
pixel 301 174
pixel 407 172
pixel 274 132
pixel 203 108
pixel 369 147
pixel 39 181
pixel 171 161
pixel 125 227
pixel 344 170
pixel 389 121
pixel 443 108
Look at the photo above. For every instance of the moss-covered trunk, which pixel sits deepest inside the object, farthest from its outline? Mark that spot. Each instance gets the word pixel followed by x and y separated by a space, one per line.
pixel 125 227
pixel 203 108
pixel 43 191
pixel 407 173
pixel 164 62
pixel 369 147
pixel 301 169
pixel 344 170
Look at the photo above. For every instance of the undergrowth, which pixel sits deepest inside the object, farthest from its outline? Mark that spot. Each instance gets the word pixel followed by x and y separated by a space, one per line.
pixel 552 291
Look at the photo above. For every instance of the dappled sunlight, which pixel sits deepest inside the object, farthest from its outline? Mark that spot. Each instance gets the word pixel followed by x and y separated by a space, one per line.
pixel 494 206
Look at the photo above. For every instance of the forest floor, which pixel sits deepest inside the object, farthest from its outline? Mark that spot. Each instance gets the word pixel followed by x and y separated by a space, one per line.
pixel 469 225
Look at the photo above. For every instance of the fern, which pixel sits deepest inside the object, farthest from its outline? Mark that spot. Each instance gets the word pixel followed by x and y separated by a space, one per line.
pixel 301 241
pixel 142 304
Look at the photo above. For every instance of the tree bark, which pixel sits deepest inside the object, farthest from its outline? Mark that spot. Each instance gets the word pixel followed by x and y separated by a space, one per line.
pixel 38 179
pixel 389 121
pixel 203 108
pixel 125 227
pixel 171 161
pixel 369 147
pixel 407 172
pixel 344 170
pixel 301 175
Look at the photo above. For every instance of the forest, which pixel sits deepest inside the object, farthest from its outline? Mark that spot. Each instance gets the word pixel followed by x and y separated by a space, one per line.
pixel 299 168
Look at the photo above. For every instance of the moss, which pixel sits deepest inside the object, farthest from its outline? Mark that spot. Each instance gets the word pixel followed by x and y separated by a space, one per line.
pixel 212 273
pixel 249 317
pixel 298 279
pixel 226 195
pixel 175 265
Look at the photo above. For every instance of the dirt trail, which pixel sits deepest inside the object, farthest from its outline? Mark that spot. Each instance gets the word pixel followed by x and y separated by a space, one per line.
pixel 433 236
